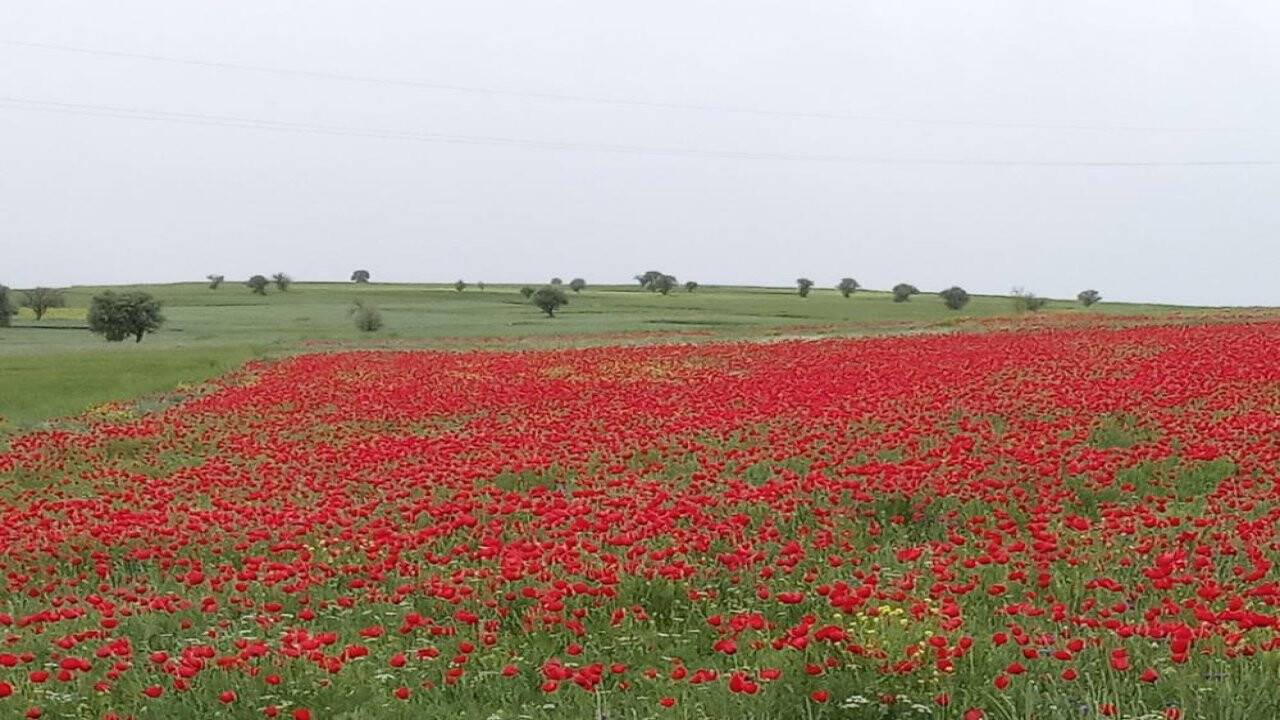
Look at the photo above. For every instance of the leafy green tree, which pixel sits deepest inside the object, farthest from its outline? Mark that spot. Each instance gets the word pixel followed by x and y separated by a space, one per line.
pixel 282 281
pixel 41 299
pixel 647 278
pixel 690 286
pixel 360 276
pixel 1089 297
pixel 460 285
pixel 902 292
pixel 556 281
pixel 366 317
pixel 258 284
pixel 804 285
pixel 480 286
pixel 117 316
pixel 955 297
pixel 214 281
pixel 7 310
pixel 847 286
pixel 664 284
pixel 1024 301
pixel 527 292
pixel 577 284
pixel 549 299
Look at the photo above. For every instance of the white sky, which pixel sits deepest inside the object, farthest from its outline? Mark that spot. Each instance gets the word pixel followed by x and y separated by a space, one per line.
pixel 91 199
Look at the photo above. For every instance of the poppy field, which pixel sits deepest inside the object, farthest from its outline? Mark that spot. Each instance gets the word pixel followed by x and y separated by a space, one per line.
pixel 1059 522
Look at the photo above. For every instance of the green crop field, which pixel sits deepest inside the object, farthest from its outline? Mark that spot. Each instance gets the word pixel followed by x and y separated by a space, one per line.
pixel 57 367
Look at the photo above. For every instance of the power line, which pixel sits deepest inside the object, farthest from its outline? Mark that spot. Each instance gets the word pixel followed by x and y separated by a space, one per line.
pixel 126 113
pixel 603 100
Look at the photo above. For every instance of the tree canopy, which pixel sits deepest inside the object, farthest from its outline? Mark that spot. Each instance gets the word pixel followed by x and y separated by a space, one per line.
pixel 117 316
pixel 549 299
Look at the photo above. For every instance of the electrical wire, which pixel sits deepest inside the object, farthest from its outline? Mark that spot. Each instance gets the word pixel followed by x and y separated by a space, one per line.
pixel 602 100
pixel 126 113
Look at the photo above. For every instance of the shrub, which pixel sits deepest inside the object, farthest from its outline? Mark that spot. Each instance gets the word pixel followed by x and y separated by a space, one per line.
pixel 690 286
pixel 1089 297
pixel 847 286
pixel 549 299
pixel 663 284
pixel 460 285
pixel 367 318
pixel 527 292
pixel 7 310
pixel 41 299
pixel 360 276
pixel 902 292
pixel 1024 301
pixel 804 285
pixel 282 281
pixel 955 297
pixel 577 284
pixel 258 284
pixel 117 316
pixel 214 281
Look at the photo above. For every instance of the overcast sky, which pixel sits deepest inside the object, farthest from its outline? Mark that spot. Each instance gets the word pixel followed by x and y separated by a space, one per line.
pixel 846 173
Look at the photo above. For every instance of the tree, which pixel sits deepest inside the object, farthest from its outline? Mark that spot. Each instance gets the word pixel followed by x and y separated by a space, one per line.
pixel 460 286
pixel 360 276
pixel 549 299
pixel 647 277
pixel 117 316
pixel 690 286
pixel 527 292
pixel 41 299
pixel 955 297
pixel 366 317
pixel 7 310
pixel 556 281
pixel 663 284
pixel 847 286
pixel 1089 297
pixel 282 281
pixel 804 285
pixel 902 292
pixel 214 281
pixel 480 286
pixel 577 284
pixel 258 284
pixel 1024 301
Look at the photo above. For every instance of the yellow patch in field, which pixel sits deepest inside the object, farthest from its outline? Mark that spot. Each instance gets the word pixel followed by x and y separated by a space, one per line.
pixel 559 372
pixel 71 313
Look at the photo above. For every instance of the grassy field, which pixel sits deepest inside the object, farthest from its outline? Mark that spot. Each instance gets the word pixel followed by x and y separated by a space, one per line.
pixel 56 367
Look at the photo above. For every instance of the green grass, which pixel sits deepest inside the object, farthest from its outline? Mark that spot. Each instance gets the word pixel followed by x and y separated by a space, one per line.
pixel 37 386
pixel 56 367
